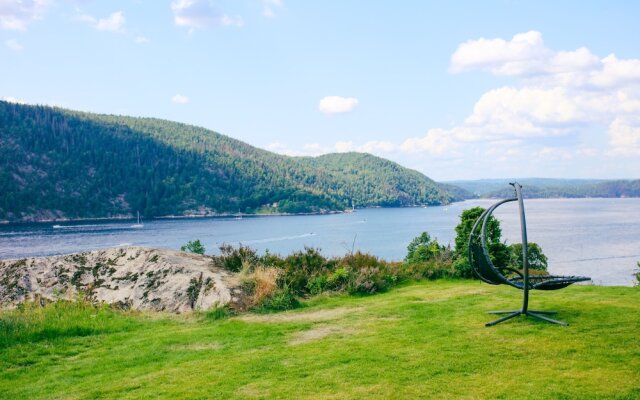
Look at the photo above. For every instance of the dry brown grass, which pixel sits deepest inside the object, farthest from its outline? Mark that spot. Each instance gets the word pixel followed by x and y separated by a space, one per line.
pixel 261 280
pixel 265 283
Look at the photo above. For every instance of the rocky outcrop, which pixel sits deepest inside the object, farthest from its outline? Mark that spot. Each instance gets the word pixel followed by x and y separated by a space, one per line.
pixel 129 278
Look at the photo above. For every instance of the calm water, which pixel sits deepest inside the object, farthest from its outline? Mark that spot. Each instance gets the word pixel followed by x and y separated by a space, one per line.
pixel 599 238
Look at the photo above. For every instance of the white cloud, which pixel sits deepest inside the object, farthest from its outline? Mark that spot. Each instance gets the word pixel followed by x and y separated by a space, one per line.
pixel 201 14
pixel 269 7
pixel 559 93
pixel 526 56
pixel 377 147
pixel 564 113
pixel 13 45
pixel 522 54
pixel 624 137
pixel 17 14
pixel 180 99
pixel 436 141
pixel 141 40
pixel 344 146
pixel 337 104
pixel 113 23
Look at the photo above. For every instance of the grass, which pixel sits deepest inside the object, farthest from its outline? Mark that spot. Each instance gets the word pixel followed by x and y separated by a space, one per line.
pixel 424 340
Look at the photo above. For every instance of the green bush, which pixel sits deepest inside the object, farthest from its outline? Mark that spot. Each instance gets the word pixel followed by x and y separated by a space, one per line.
pixel 338 279
pixel 463 230
pixel 218 313
pixel 193 247
pixel 280 300
pixel 236 259
pixel 535 257
pixel 370 280
pixel 501 255
pixel 302 267
pixel 317 284
pixel 422 249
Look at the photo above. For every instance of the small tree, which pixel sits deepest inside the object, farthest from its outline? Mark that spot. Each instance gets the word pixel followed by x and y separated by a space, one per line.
pixel 535 257
pixel 422 249
pixel 497 250
pixel 193 247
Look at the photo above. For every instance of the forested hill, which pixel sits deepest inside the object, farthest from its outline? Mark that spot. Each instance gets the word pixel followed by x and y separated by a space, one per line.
pixel 57 164
pixel 609 189
pixel 552 188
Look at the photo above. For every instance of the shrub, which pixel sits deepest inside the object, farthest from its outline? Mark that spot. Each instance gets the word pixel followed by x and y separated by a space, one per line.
pixel 370 280
pixel 265 283
pixel 217 313
pixel 535 257
pixel 193 247
pixel 317 284
pixel 234 260
pixel 463 230
pixel 303 266
pixel 422 249
pixel 280 300
pixel 429 270
pixel 338 279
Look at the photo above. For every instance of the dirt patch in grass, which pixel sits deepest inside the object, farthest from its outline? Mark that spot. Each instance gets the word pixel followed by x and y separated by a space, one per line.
pixel 319 332
pixel 197 346
pixel 298 316
pixel 253 391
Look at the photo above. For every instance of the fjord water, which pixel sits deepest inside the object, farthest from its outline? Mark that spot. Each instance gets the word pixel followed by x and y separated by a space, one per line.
pixel 599 238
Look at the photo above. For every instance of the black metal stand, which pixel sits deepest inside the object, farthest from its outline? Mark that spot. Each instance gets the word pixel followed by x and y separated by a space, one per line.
pixel 531 313
pixel 525 298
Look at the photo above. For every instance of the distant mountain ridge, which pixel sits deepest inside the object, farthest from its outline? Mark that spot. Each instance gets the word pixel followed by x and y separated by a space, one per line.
pixel 63 164
pixel 553 188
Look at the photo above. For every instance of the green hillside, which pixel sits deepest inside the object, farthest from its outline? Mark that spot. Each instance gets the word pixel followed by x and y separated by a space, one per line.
pixel 57 164
pixel 608 189
pixel 371 180
pixel 550 188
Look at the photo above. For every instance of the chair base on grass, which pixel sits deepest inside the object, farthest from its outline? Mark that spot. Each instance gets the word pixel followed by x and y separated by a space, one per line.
pixel 531 313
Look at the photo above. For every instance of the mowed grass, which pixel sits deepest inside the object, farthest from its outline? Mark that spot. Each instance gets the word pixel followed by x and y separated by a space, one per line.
pixel 424 340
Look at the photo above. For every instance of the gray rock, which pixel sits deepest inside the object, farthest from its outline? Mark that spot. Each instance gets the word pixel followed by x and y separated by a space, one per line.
pixel 131 278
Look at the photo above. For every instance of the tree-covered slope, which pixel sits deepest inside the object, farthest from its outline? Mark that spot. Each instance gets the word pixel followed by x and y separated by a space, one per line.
pixel 549 188
pixel 608 189
pixel 374 181
pixel 57 163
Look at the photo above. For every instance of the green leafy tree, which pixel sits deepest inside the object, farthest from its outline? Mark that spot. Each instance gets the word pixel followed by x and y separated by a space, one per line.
pixel 535 257
pixel 193 247
pixel 498 251
pixel 422 249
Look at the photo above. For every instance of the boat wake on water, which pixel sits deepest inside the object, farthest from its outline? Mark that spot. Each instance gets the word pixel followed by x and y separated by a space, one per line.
pixel 278 239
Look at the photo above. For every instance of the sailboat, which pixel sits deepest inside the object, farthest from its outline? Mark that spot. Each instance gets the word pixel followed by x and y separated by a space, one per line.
pixel 139 224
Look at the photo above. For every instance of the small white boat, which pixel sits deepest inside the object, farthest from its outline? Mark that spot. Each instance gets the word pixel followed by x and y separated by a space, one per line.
pixel 57 226
pixel 139 224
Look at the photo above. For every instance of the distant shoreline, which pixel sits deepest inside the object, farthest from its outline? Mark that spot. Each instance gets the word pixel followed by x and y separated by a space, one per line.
pixel 245 215
pixel 165 217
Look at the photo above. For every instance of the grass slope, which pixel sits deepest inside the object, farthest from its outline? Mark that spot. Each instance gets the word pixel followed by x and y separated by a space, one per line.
pixel 424 340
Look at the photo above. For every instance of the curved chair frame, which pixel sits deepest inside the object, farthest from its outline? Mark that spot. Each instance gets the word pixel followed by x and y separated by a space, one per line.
pixel 484 268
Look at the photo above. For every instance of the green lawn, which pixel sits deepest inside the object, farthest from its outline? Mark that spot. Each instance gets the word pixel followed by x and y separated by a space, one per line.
pixel 424 340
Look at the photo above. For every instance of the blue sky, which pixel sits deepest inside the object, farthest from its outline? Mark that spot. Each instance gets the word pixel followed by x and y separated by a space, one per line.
pixel 456 90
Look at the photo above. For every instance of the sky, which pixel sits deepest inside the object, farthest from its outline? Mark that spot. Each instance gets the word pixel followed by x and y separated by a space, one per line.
pixel 455 90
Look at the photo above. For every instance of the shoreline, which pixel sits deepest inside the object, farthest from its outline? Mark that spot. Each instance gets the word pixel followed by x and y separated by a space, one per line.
pixel 252 215
pixel 202 216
